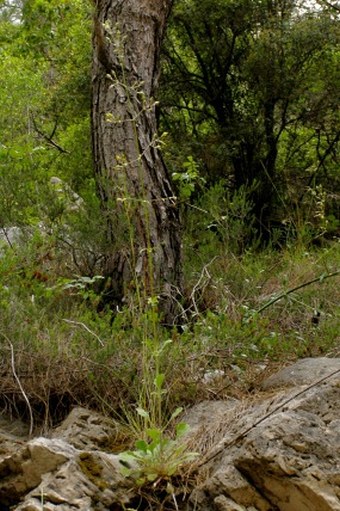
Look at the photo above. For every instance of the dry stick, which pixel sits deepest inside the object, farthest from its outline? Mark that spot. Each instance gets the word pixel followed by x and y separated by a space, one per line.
pixel 239 437
pixel 329 4
pixel 20 386
pixel 7 237
pixel 48 139
pixel 300 286
pixel 199 284
pixel 78 323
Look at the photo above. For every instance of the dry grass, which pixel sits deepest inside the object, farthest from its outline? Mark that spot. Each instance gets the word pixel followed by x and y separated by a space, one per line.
pixel 66 354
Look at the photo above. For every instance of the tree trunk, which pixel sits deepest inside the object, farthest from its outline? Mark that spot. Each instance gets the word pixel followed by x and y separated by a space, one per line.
pixel 133 183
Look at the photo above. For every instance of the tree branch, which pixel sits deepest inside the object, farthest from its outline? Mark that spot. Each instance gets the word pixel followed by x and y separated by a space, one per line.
pixel 48 138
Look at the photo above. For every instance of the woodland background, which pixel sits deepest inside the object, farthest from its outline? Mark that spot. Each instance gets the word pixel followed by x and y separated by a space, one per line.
pixel 248 110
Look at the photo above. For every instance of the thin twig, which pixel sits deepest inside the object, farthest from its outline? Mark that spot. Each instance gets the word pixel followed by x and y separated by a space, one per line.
pixel 300 286
pixel 20 386
pixel 47 138
pixel 4 230
pixel 172 295
pixel 329 4
pixel 200 284
pixel 174 500
pixel 78 323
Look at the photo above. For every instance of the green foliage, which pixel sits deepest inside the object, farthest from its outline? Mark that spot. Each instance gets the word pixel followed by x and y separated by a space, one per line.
pixel 158 459
pixel 226 221
pixel 249 92
pixel 187 179
pixel 44 115
pixel 80 355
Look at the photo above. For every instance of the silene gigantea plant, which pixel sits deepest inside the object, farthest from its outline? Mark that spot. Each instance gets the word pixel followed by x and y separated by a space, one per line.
pixel 157 455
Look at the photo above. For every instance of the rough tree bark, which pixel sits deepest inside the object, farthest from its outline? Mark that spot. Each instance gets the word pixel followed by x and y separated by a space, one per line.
pixel 133 183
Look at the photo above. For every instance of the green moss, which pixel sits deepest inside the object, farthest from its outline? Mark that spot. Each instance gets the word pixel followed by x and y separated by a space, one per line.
pixel 92 469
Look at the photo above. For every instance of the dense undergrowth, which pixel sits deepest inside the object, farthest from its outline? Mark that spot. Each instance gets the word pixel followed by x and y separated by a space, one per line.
pixel 244 313
pixel 242 317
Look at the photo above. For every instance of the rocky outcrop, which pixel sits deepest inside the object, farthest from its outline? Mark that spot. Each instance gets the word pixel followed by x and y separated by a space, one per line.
pixel 281 452
pixel 278 451
pixel 10 236
pixel 66 472
pixel 303 372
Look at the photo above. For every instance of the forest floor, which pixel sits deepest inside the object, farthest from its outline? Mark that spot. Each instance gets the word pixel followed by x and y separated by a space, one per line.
pixel 246 316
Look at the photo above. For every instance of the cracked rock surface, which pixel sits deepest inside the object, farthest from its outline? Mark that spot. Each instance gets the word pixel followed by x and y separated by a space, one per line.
pixel 66 472
pixel 278 451
pixel 289 461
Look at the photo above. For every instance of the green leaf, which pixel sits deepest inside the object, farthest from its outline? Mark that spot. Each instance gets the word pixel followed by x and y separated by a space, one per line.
pixel 141 445
pixel 322 277
pixel 152 477
pixel 176 413
pixel 181 429
pixel 159 380
pixel 155 434
pixel 142 413
pixel 164 345
pixel 170 489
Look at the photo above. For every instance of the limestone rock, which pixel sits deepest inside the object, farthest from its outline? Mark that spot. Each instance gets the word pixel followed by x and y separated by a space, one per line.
pixel 23 470
pixel 71 200
pixel 85 429
pixel 66 472
pixel 279 451
pixel 10 236
pixel 303 372
pixel 13 434
pixel 207 412
pixel 89 481
pixel 288 458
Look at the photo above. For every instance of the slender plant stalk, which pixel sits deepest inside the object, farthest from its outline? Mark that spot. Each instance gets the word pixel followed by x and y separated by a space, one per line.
pixel 300 286
pixel 16 377
pixel 150 397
